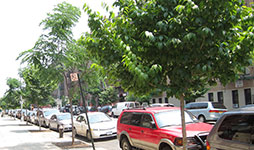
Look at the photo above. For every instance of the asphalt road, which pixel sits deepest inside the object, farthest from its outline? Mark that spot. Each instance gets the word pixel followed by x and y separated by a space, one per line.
pixel 106 143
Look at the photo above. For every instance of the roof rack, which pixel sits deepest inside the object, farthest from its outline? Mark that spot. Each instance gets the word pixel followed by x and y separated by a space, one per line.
pixel 136 108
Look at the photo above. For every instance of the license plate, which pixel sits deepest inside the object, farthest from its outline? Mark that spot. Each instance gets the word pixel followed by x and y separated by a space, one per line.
pixel 109 133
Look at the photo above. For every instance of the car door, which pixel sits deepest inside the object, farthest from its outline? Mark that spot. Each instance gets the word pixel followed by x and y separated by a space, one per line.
pixel 53 121
pixel 77 124
pixel 84 126
pixel 134 129
pixel 148 134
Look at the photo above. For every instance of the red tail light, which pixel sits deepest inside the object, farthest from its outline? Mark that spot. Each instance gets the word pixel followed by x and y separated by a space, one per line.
pixel 217 111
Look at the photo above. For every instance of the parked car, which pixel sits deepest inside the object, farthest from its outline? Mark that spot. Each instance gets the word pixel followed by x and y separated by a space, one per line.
pixel 249 105
pixel 33 117
pixel 159 128
pixel 161 105
pixel 206 111
pixel 102 125
pixel 120 106
pixel 233 131
pixel 62 120
pixel 45 115
pixel 106 109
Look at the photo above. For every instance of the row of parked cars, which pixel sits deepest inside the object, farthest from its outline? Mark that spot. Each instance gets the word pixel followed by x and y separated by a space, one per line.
pixel 159 127
pixel 101 124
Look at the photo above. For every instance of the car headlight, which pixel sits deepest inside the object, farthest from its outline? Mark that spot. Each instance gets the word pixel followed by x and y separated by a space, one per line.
pixel 190 141
pixel 94 129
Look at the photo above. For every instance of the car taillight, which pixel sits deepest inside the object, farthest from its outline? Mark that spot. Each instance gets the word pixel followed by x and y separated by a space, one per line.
pixel 207 146
pixel 217 111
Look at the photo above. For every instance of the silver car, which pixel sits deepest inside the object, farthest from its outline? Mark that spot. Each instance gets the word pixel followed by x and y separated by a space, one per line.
pixel 233 131
pixel 61 120
pixel 206 111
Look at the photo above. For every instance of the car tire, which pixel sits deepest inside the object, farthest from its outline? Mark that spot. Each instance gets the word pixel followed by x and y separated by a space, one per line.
pixel 112 115
pixel 75 132
pixel 166 148
pixel 202 118
pixel 88 135
pixel 125 144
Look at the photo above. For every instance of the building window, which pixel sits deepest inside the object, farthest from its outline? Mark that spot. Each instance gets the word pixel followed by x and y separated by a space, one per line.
pixel 210 97
pixel 160 100
pixel 235 99
pixel 247 95
pixel 154 101
pixel 166 100
pixel 220 97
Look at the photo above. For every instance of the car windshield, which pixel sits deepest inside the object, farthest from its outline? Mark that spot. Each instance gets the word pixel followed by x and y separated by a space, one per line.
pixel 49 112
pixel 172 118
pixel 95 118
pixel 64 116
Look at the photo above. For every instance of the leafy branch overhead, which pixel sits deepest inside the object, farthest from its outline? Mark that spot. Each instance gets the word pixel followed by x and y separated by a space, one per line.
pixel 179 46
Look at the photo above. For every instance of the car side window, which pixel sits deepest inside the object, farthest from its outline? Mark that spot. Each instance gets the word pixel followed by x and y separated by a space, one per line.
pixel 136 119
pixel 237 128
pixel 78 119
pixel 126 117
pixel 147 121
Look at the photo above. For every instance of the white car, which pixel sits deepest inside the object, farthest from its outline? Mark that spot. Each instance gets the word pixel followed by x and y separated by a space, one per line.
pixel 120 106
pixel 102 125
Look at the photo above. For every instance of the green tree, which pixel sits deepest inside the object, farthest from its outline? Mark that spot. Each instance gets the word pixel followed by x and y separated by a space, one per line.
pixel 49 51
pixel 178 46
pixel 36 90
pixel 108 96
pixel 11 99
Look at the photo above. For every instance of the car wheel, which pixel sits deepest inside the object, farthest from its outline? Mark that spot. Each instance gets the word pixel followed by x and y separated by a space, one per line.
pixel 166 148
pixel 125 144
pixel 201 118
pixel 88 135
pixel 75 132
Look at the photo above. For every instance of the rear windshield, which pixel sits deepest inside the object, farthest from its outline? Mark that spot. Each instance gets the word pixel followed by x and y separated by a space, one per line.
pixel 218 106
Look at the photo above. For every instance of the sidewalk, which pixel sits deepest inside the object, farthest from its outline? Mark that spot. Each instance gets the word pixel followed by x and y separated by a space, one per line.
pixel 17 135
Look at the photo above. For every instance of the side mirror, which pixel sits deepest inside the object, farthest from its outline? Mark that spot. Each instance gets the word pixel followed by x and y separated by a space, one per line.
pixel 153 125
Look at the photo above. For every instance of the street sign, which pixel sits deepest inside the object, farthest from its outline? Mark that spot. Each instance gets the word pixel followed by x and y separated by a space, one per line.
pixel 74 77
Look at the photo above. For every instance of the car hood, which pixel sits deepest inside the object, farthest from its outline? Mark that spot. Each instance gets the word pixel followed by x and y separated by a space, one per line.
pixel 104 125
pixel 192 129
pixel 65 121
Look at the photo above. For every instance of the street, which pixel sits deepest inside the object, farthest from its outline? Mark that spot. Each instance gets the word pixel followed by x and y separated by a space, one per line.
pixel 17 135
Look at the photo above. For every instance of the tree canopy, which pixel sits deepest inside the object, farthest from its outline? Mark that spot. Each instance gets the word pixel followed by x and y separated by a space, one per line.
pixel 178 46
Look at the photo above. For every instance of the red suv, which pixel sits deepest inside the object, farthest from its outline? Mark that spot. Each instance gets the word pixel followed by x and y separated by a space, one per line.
pixel 159 128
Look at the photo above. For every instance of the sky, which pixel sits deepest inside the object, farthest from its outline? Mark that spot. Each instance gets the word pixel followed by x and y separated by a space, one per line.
pixel 19 29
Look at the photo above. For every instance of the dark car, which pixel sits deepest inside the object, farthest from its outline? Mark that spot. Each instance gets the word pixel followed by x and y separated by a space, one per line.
pixel 106 109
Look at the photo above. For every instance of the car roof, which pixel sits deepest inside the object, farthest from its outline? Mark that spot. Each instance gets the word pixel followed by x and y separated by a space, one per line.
pixel 246 110
pixel 152 109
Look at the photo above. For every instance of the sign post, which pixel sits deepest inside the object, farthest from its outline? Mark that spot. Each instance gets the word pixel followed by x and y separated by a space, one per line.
pixel 75 77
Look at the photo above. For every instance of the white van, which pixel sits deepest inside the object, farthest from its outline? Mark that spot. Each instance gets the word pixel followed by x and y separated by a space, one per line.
pixel 120 106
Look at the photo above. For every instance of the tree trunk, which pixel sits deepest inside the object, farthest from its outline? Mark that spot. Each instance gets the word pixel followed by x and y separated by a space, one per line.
pixel 183 123
pixel 70 96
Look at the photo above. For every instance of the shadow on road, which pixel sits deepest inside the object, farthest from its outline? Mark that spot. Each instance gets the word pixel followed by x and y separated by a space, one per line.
pixel 82 138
